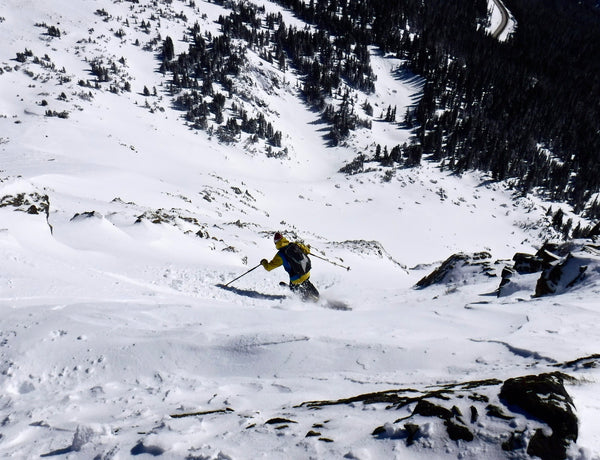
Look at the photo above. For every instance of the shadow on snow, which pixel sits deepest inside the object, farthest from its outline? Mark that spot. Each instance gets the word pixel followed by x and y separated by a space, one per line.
pixel 252 294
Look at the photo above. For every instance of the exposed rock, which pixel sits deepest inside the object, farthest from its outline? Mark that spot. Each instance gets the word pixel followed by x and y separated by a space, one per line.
pixel 460 268
pixel 428 409
pixel 140 449
pixel 368 248
pixel 516 441
pixel 474 414
pixel 455 430
pixel 31 203
pixel 545 398
pixel 178 218
pixel 458 432
pixel 511 413
pixel 397 398
pixel 86 215
pixel 495 411
pixel 586 362
pixel 198 413
pixel 478 397
pixel 561 266
pixel 563 275
pixel 551 252
pixel 456 411
pixel 278 420
pixel 379 431
pixel 526 263
pixel 412 431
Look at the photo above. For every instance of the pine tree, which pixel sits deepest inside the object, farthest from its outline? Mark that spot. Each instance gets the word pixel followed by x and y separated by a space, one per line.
pixel 168 49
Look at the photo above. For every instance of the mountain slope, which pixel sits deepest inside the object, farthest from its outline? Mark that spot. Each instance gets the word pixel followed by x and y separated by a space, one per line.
pixel 112 318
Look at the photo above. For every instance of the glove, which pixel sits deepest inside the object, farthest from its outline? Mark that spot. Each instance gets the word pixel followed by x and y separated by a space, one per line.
pixel 264 262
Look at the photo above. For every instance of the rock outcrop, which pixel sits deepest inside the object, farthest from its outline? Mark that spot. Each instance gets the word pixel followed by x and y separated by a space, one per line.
pixel 460 268
pixel 528 416
pixel 559 268
pixel 544 397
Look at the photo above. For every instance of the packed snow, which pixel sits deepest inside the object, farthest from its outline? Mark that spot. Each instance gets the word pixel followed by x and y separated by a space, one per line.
pixel 116 339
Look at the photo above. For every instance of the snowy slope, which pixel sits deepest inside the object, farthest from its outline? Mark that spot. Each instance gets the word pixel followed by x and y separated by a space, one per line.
pixel 111 318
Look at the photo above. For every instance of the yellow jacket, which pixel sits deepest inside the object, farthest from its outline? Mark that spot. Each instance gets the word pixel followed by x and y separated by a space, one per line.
pixel 277 261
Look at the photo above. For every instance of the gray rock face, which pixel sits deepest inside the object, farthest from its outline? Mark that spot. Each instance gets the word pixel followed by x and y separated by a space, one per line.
pixel 560 267
pixel 545 398
pixel 458 268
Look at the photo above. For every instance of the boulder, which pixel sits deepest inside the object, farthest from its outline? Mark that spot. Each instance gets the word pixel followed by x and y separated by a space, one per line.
pixel 563 275
pixel 544 397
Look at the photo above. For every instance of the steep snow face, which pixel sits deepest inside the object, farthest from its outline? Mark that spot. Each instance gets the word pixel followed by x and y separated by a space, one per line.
pixel 118 222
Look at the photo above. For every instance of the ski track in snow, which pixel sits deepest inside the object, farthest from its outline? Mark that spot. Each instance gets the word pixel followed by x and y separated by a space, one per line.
pixel 113 320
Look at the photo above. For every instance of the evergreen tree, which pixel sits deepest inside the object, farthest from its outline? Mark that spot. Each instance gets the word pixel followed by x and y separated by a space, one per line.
pixel 168 49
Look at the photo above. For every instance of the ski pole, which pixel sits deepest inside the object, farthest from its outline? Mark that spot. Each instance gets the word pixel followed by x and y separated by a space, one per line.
pixel 243 274
pixel 327 260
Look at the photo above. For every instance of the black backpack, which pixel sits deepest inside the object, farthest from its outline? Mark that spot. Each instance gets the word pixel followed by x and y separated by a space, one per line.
pixel 298 263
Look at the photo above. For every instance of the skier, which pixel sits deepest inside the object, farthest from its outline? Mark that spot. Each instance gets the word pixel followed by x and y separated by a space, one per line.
pixel 293 257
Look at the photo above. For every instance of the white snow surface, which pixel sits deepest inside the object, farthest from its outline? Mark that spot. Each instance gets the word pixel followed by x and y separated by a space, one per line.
pixel 110 323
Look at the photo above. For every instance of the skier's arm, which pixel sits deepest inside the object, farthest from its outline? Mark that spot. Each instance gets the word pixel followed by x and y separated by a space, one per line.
pixel 276 262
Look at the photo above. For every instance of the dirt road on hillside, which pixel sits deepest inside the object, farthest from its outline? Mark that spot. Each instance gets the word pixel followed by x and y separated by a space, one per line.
pixel 504 22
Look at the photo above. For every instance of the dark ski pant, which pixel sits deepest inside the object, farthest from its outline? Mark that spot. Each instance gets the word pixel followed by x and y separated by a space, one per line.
pixel 306 290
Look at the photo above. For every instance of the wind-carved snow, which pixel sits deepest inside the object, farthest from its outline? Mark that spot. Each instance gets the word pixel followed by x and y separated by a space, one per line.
pixel 112 317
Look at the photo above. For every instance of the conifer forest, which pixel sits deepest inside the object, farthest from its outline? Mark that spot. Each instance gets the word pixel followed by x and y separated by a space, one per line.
pixel 526 109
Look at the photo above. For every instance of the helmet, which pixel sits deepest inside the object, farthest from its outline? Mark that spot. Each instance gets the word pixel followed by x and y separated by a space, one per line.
pixel 278 236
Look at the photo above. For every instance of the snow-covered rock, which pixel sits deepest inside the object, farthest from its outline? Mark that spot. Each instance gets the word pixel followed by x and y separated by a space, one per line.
pixel 557 268
pixel 459 269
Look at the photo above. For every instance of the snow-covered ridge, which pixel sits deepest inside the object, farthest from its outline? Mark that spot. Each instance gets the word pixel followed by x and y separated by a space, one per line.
pixel 118 222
